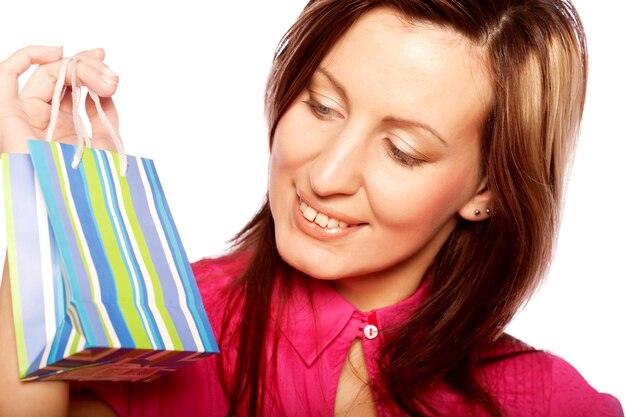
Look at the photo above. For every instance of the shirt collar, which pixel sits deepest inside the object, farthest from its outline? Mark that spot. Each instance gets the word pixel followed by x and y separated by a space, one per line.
pixel 315 314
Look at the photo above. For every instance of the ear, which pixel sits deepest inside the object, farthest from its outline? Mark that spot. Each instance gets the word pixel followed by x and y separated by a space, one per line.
pixel 479 207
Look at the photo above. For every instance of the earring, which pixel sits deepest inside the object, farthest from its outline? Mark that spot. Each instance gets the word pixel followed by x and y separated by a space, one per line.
pixel 477 212
pixel 488 211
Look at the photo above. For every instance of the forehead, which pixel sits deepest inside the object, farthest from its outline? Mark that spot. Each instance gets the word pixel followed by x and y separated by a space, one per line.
pixel 412 69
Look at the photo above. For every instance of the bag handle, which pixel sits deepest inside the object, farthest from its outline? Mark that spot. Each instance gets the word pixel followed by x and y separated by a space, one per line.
pixel 81 133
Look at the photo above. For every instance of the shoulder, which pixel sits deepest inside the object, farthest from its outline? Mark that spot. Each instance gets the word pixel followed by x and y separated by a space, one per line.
pixel 520 377
pixel 570 391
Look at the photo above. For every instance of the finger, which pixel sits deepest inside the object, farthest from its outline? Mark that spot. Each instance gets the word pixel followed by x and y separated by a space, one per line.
pixel 101 137
pixel 106 74
pixel 64 127
pixel 90 72
pixel 19 62
pixel 96 53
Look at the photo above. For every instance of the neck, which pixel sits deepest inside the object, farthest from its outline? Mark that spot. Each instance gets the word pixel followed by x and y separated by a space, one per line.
pixel 381 289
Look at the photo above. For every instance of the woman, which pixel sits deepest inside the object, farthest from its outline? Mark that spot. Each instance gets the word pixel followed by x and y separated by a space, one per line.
pixel 418 150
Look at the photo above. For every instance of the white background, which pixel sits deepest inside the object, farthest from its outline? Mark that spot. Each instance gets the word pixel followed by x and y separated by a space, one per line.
pixel 191 98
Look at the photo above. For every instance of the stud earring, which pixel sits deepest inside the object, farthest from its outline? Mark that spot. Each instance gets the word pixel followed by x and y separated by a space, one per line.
pixel 477 212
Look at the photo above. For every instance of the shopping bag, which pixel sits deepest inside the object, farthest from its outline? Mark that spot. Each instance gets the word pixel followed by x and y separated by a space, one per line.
pixel 101 284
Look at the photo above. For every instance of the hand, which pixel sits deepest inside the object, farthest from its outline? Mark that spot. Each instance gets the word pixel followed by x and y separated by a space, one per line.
pixel 25 114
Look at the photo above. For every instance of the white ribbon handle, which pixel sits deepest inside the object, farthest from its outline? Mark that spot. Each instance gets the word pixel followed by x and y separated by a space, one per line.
pixel 82 138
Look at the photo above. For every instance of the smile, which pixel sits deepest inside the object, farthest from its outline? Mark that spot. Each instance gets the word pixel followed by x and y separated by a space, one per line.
pixel 321 219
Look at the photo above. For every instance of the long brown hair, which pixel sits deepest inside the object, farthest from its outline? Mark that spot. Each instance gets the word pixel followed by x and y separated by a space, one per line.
pixel 486 270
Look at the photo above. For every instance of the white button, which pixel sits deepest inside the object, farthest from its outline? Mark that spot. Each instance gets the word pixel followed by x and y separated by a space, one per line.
pixel 370 331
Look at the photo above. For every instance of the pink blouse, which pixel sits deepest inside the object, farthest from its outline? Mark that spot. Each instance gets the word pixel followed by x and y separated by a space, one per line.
pixel 317 333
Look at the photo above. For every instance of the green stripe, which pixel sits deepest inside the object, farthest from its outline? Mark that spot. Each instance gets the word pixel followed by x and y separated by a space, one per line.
pixel 77 334
pixel 22 359
pixel 145 254
pixel 113 251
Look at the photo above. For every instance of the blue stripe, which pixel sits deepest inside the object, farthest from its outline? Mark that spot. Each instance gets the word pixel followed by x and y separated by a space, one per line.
pixel 61 340
pixel 182 262
pixel 49 181
pixel 93 250
pixel 58 286
pixel 58 343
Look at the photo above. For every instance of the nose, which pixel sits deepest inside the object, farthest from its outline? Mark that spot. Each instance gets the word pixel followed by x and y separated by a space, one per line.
pixel 338 167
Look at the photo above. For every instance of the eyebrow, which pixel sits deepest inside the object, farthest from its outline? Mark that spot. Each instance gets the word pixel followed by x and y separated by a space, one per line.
pixel 412 124
pixel 389 119
pixel 338 86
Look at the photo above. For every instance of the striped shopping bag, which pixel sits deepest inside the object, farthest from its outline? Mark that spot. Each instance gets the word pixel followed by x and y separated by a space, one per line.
pixel 102 288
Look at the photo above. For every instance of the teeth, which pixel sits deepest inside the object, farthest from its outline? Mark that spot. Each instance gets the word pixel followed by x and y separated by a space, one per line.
pixel 309 214
pixel 321 219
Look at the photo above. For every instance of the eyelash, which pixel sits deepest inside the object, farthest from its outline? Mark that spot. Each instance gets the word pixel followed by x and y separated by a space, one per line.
pixel 319 110
pixel 403 158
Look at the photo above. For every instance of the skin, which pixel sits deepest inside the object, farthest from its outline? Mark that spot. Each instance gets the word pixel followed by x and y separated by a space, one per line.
pixel 349 152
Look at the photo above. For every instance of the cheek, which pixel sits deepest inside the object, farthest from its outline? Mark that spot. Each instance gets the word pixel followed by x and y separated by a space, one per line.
pixel 421 202
pixel 296 140
pixel 282 156
pixel 289 155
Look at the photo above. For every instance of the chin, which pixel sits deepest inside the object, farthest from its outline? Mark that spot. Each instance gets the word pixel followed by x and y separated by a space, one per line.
pixel 310 266
pixel 320 273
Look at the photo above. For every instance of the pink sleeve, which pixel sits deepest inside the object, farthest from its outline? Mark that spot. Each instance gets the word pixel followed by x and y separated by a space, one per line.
pixel 572 396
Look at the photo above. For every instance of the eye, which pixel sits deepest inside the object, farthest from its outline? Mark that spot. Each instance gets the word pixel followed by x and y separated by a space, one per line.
pixel 402 157
pixel 319 110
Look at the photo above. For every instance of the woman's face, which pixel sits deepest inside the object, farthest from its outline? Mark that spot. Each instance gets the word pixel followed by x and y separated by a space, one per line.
pixel 375 161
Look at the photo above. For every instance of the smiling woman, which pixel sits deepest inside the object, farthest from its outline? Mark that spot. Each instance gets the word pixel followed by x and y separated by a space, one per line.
pixel 418 154
pixel 356 146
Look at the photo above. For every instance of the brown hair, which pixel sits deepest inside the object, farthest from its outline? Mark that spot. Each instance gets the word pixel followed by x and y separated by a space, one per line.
pixel 486 270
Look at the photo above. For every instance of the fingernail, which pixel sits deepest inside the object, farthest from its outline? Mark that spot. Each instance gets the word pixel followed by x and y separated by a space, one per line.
pixel 108 71
pixel 108 80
